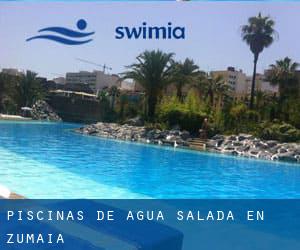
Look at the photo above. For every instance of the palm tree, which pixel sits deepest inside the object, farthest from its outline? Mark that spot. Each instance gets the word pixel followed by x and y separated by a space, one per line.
pixel 258 34
pixel 184 73
pixel 153 72
pixel 102 95
pixel 113 92
pixel 216 88
pixel 200 84
pixel 2 88
pixel 29 89
pixel 7 91
pixel 283 74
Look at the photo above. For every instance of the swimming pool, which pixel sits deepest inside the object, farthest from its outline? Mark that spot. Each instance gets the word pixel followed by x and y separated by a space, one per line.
pixel 49 160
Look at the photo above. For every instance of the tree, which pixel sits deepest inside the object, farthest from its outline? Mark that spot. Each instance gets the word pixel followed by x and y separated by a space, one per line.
pixel 3 80
pixel 216 88
pixel 153 72
pixel 258 34
pixel 283 75
pixel 200 84
pixel 184 73
pixel 28 89
pixel 102 96
pixel 8 93
pixel 113 92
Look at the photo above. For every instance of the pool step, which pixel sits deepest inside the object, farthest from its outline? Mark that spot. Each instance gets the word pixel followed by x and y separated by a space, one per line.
pixel 198 144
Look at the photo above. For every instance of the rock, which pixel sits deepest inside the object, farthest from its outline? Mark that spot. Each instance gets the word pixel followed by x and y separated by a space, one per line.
pixel 174 132
pixel 272 143
pixel 218 137
pixel 282 150
pixel 243 148
pixel 232 138
pixel 212 144
pixel 137 133
pixel 289 156
pixel 237 144
pixel 261 145
pixel 242 144
pixel 41 110
pixel 242 137
pixel 229 148
pixel 137 121
pixel 185 135
pixel 254 152
pixel 234 152
pixel 219 142
pixel 265 155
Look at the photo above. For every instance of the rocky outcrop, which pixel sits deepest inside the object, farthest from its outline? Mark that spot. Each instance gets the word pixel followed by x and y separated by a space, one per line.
pixel 41 110
pixel 240 145
pixel 137 133
pixel 250 146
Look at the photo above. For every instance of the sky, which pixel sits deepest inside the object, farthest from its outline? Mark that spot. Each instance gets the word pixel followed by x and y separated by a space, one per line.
pixel 212 40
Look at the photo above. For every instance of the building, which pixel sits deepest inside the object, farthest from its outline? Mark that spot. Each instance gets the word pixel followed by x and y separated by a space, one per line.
pixel 96 80
pixel 131 86
pixel 127 86
pixel 12 71
pixel 236 80
pixel 240 83
pixel 261 84
pixel 59 80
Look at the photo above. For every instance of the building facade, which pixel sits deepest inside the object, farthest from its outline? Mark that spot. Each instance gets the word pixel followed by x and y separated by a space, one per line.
pixel 261 84
pixel 240 83
pixel 96 80
pixel 60 80
pixel 12 71
pixel 236 80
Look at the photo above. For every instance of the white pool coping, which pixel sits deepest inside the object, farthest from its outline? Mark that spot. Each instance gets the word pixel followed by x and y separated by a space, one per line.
pixel 14 117
pixel 4 192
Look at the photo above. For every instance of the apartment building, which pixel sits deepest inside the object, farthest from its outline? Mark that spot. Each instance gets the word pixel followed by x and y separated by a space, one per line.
pixel 241 84
pixel 12 71
pixel 236 80
pixel 96 80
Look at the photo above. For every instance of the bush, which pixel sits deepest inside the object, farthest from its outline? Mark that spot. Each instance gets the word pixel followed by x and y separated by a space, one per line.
pixel 243 119
pixel 282 132
pixel 185 119
pixel 294 113
pixel 187 116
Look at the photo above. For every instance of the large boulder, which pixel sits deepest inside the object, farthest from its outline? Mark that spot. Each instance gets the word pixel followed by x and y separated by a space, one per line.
pixel 41 110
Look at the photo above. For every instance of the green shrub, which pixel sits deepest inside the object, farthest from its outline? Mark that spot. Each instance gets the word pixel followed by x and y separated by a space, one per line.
pixel 243 119
pixel 282 132
pixel 186 115
pixel 294 113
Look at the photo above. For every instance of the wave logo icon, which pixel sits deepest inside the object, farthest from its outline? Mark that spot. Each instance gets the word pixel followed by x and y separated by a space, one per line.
pixel 65 35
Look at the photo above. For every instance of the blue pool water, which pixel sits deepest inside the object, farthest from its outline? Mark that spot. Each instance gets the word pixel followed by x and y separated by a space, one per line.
pixel 48 160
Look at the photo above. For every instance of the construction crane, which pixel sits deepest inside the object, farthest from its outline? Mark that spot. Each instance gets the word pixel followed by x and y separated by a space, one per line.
pixel 104 66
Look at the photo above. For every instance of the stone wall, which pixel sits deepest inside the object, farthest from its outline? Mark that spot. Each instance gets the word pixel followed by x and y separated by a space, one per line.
pixel 239 145
pixel 136 133
pixel 250 146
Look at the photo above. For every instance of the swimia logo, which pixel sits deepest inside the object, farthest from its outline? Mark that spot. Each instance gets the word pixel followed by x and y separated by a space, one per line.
pixel 65 35
pixel 150 32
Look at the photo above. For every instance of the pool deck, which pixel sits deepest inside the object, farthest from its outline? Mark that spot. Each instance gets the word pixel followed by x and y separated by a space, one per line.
pixel 14 118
